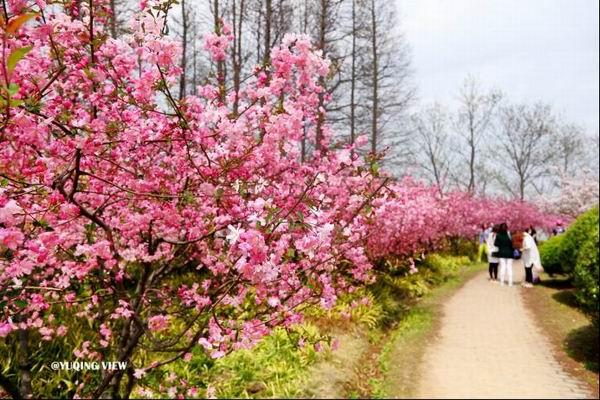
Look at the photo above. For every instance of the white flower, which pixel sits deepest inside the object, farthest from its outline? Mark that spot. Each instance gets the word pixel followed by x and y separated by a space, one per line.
pixel 139 373
pixel 254 218
pixel 273 301
pixel 8 211
pixel 233 234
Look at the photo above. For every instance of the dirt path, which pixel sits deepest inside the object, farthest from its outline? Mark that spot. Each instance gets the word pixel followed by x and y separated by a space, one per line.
pixel 489 347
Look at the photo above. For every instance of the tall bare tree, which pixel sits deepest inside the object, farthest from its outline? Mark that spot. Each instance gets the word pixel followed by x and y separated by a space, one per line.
pixel 570 147
pixel 474 117
pixel 386 79
pixel 525 149
pixel 433 138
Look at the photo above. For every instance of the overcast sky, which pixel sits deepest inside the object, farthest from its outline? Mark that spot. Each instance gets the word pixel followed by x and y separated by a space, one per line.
pixel 530 49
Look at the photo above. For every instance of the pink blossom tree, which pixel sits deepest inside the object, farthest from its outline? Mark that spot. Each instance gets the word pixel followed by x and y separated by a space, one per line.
pixel 163 225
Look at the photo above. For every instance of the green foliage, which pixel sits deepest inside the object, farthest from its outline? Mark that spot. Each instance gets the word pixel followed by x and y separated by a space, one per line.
pixel 578 233
pixel 49 383
pixel 463 247
pixel 550 253
pixel 586 275
pixel 276 367
pixel 576 253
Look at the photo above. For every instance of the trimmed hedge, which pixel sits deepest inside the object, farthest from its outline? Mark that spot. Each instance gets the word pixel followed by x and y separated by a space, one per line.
pixel 550 253
pixel 578 233
pixel 586 274
pixel 575 253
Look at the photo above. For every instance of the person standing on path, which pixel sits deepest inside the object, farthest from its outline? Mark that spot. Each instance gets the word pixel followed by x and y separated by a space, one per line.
pixel 558 229
pixel 493 261
pixel 531 259
pixel 483 236
pixel 533 233
pixel 505 253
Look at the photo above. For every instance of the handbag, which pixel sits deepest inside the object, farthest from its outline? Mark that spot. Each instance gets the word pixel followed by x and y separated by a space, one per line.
pixel 516 254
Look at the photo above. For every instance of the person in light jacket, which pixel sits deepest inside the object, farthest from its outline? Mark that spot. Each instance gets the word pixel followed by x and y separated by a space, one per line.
pixel 531 259
pixel 505 253
pixel 493 261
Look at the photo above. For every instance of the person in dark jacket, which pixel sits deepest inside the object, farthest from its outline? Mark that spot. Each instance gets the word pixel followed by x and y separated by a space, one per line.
pixel 504 253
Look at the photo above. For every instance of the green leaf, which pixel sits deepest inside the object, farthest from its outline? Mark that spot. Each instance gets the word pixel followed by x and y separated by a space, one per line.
pixel 20 303
pixel 374 167
pixel 13 89
pixel 15 56
pixel 291 253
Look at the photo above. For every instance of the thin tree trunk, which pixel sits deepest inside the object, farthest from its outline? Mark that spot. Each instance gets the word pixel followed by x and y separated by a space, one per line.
pixel 375 105
pixel 24 365
pixel 267 39
pixel 182 78
pixel 305 28
pixel 321 45
pixel 237 51
pixel 221 67
pixel 472 155
pixel 113 18
pixel 353 77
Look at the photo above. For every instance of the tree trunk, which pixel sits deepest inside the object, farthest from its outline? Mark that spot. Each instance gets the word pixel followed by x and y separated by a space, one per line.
pixel 237 19
pixel 267 38
pixel 375 83
pixel 113 18
pixel 24 365
pixel 353 77
pixel 184 23
pixel 221 67
pixel 321 44
pixel 472 145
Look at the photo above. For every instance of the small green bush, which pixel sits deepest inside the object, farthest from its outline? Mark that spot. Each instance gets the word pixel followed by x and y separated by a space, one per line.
pixel 585 277
pixel 577 233
pixel 463 247
pixel 550 253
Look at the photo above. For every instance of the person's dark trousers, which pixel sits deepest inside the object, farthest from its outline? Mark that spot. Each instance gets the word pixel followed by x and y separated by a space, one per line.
pixel 529 274
pixel 493 271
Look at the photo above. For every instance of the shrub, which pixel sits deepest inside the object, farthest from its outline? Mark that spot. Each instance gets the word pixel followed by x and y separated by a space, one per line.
pixel 550 253
pixel 577 234
pixel 585 277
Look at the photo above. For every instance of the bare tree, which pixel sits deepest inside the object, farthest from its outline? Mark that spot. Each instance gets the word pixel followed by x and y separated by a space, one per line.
pixel 570 147
pixel 475 113
pixel 432 136
pixel 525 147
pixel 386 80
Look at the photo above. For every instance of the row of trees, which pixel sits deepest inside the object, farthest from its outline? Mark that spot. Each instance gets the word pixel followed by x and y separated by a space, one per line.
pixel 486 144
pixel 489 144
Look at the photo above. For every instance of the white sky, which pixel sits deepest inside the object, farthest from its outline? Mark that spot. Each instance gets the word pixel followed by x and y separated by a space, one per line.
pixel 530 49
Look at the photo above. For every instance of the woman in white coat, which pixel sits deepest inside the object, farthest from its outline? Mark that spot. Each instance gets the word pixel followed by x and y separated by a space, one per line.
pixel 531 259
pixel 493 261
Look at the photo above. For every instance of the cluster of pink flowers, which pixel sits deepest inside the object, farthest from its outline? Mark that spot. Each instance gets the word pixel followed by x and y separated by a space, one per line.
pixel 411 217
pixel 152 217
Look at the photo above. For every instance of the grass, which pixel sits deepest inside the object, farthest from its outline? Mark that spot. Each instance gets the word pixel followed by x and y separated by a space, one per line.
pixel 574 340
